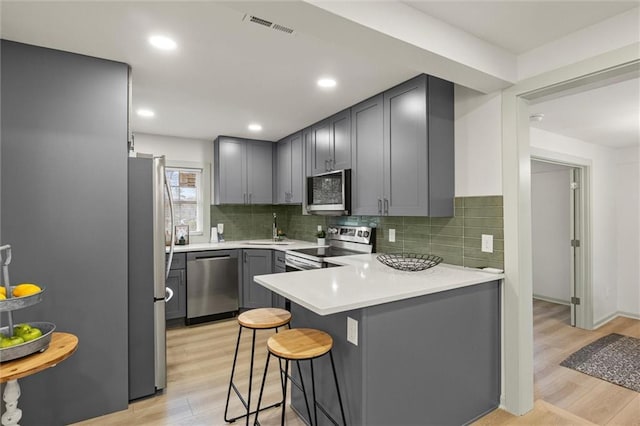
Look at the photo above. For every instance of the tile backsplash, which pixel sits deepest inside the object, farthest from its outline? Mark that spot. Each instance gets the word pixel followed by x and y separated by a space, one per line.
pixel 457 239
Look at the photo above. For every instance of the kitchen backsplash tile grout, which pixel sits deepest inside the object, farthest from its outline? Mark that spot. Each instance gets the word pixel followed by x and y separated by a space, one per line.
pixel 457 239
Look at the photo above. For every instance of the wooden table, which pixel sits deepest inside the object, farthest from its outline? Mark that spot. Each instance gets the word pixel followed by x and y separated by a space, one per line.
pixel 62 346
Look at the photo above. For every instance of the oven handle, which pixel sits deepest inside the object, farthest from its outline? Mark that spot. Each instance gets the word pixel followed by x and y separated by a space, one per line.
pixel 299 265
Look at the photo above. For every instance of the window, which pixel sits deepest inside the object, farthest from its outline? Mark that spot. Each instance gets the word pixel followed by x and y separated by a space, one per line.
pixel 188 201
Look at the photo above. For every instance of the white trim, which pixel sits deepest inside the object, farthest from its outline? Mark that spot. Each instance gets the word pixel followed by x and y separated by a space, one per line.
pixel 516 175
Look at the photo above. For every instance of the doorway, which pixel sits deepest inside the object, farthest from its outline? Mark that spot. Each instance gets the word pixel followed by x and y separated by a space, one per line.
pixel 557 218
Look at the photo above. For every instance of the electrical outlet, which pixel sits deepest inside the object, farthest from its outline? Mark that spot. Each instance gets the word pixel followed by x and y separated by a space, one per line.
pixel 392 235
pixel 352 331
pixel 487 243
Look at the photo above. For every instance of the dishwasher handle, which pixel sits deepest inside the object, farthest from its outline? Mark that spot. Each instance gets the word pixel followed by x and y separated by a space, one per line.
pixel 210 258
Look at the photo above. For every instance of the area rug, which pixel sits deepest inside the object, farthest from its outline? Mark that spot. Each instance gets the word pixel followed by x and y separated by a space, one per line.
pixel 614 358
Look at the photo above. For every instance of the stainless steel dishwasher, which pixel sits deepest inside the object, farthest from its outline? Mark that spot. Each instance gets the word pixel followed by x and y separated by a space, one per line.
pixel 212 285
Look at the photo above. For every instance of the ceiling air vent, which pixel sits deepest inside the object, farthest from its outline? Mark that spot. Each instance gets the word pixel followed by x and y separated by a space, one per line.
pixel 268 24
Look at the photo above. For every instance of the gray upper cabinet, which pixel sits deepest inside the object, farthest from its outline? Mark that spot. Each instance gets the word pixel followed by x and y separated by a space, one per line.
pixel 243 171
pixel 289 166
pixel 403 150
pixel 367 177
pixel 331 143
pixel 419 148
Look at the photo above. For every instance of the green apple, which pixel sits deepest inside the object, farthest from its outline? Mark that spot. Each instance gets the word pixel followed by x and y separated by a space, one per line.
pixel 11 341
pixel 20 329
pixel 31 334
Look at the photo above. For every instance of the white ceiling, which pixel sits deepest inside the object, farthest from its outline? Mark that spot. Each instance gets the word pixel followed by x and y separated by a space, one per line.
pixel 227 72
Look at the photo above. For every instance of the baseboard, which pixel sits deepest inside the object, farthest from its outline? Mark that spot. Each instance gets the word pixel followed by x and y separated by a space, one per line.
pixel 613 316
pixel 551 300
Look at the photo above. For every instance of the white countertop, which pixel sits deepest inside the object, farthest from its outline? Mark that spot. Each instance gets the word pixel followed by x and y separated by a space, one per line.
pixel 246 244
pixel 364 282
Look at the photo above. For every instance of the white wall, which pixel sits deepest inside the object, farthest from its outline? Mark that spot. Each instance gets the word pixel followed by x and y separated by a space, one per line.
pixel 183 152
pixel 478 143
pixel 604 229
pixel 628 230
pixel 613 33
pixel 551 232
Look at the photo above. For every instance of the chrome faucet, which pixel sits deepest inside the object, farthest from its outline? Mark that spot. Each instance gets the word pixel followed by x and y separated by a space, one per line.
pixel 275 227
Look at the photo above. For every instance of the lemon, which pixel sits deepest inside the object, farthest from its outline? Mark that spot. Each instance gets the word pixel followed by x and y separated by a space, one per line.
pixel 26 289
pixel 3 290
pixel 2 296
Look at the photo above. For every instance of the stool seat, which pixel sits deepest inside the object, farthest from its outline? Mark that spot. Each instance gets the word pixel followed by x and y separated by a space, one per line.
pixel 300 343
pixel 264 318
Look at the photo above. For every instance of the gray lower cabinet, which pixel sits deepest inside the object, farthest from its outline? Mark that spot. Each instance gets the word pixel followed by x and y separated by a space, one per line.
pixel 288 170
pixel 255 262
pixel 331 143
pixel 403 150
pixel 243 171
pixel 278 301
pixel 176 306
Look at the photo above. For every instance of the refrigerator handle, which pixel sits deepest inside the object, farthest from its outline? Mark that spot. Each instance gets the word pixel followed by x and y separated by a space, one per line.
pixel 173 228
pixel 169 294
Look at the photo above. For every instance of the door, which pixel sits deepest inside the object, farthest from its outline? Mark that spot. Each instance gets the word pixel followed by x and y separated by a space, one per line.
pixel 260 172
pixel 321 146
pixel 405 149
pixel 340 141
pixel 575 226
pixel 367 155
pixel 256 262
pixel 283 171
pixel 231 174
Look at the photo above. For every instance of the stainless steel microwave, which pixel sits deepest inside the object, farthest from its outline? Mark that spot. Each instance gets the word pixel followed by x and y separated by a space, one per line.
pixel 329 193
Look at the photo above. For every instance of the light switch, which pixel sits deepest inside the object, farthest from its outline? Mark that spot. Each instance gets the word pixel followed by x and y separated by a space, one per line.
pixel 352 331
pixel 392 235
pixel 487 243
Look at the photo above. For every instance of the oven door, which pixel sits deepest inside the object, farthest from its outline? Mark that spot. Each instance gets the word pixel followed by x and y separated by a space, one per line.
pixel 294 263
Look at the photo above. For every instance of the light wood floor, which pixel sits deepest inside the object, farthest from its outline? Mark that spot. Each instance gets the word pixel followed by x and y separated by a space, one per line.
pixel 199 362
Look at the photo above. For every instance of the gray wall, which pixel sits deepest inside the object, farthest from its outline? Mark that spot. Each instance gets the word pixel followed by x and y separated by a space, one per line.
pixel 64 211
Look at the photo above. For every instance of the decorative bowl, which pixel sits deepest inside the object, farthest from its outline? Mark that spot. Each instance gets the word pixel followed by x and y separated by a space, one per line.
pixel 27 348
pixel 412 262
pixel 12 303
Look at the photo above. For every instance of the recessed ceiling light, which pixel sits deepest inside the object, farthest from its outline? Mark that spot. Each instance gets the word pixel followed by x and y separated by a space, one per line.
pixel 536 117
pixel 255 127
pixel 162 42
pixel 147 113
pixel 327 83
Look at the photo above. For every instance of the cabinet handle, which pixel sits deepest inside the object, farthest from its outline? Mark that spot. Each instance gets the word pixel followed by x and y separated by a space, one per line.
pixel 326 165
pixel 330 164
pixel 386 206
pixel 250 198
pixel 244 256
pixel 379 206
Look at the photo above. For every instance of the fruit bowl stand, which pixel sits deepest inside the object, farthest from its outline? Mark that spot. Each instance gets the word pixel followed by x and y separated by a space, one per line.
pixel 30 357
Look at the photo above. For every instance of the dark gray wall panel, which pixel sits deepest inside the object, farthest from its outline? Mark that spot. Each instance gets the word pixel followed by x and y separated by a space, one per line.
pixel 64 211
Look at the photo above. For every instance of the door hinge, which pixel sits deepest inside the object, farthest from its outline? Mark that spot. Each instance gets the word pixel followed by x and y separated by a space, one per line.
pixel 575 300
pixel 575 243
pixel 574 185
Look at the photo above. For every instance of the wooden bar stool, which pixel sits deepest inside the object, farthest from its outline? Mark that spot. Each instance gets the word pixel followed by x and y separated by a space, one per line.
pixel 255 319
pixel 301 344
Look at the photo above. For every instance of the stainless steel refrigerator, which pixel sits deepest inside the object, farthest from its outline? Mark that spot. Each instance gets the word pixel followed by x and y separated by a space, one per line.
pixel 147 275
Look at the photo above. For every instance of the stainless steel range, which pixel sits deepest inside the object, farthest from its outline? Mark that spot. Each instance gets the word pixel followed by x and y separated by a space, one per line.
pixel 344 240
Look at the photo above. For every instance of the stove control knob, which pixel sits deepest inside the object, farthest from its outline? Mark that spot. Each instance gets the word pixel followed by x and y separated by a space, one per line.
pixel 366 234
pixel 359 233
pixel 332 230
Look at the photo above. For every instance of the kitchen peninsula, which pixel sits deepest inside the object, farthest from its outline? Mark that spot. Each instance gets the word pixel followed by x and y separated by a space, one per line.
pixel 410 347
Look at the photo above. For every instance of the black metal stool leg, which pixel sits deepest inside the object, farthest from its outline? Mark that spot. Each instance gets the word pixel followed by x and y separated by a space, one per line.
pixel 264 379
pixel 253 351
pixel 313 392
pixel 304 392
pixel 233 370
pixel 284 392
pixel 335 377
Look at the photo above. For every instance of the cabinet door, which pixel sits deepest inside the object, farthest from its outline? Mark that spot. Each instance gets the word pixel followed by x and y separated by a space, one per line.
pixel 321 146
pixel 340 147
pixel 231 171
pixel 177 306
pixel 283 171
pixel 405 149
pixel 256 262
pixel 297 166
pixel 367 156
pixel 260 172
